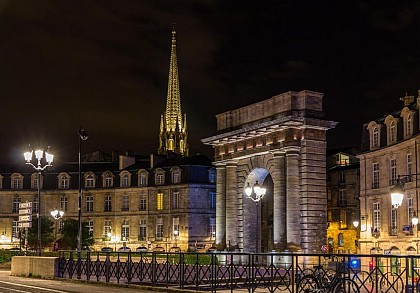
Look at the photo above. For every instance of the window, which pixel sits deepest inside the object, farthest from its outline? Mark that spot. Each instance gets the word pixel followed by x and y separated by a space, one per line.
pixel 64 203
pixel 159 179
pixel 159 229
pixel 143 203
pixel 143 230
pixel 176 175
pixel 35 180
pixel 35 205
pixel 108 181
pixel 143 179
pixel 375 174
pixel 15 230
pixel 212 200
pixel 159 201
pixel 107 228
pixel 343 219
pixel 341 178
pixel 410 211
pixel 175 200
pixel 125 180
pixel 63 181
pixel 125 203
pixel 89 225
pixel 89 203
pixel 16 181
pixel 90 181
pixel 393 228
pixel 125 230
pixel 16 202
pixel 175 228
pixel 409 165
pixel 108 205
pixel 376 216
pixel 409 130
pixel 392 171
pixel 375 137
pixel 392 132
pixel 342 198
pixel 213 228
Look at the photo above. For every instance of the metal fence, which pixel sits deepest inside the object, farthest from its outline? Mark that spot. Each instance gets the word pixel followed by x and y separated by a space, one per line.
pixel 234 272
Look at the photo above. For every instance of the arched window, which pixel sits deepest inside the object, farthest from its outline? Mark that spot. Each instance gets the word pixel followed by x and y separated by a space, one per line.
pixel 392 132
pixel 90 180
pixel 409 125
pixel 108 180
pixel 375 137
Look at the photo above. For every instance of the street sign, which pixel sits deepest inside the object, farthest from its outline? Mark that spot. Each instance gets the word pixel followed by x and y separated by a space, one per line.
pixel 25 211
pixel 25 218
pixel 25 205
pixel 25 225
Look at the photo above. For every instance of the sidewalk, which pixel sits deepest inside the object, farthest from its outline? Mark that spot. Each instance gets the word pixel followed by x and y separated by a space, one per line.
pixel 80 286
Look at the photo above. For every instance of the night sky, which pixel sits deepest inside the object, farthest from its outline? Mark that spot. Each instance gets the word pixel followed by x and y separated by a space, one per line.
pixel 104 65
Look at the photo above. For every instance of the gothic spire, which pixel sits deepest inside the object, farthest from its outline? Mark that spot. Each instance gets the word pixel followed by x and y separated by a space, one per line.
pixel 174 135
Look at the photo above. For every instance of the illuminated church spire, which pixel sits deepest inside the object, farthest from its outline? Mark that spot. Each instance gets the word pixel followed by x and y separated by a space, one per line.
pixel 173 128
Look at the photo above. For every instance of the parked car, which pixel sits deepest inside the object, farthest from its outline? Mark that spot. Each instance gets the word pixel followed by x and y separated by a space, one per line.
pixel 124 249
pixel 141 249
pixel 106 249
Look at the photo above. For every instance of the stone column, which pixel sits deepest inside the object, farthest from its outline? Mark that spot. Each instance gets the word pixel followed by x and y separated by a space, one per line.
pixel 220 205
pixel 292 195
pixel 231 204
pixel 279 202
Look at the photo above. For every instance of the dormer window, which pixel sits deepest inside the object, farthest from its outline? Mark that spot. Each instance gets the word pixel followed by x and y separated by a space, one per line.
pixel 90 180
pixel 108 179
pixel 407 116
pixel 176 175
pixel 391 129
pixel 212 175
pixel 63 181
pixel 160 177
pixel 16 181
pixel 125 179
pixel 142 178
pixel 374 134
pixel 34 181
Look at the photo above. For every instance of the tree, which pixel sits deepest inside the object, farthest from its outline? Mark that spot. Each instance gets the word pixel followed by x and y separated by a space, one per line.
pixel 47 232
pixel 69 234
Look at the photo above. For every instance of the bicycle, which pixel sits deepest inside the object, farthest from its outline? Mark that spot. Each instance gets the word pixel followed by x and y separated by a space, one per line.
pixel 321 281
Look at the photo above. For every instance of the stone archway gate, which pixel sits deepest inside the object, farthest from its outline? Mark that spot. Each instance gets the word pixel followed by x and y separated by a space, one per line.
pixel 285 135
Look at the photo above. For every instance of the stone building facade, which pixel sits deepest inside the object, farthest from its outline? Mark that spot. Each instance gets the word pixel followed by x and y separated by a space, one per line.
pixel 343 202
pixel 390 152
pixel 157 202
pixel 279 143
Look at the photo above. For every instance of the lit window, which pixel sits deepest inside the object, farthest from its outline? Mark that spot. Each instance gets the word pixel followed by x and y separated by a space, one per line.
pixel 159 201
pixel 107 228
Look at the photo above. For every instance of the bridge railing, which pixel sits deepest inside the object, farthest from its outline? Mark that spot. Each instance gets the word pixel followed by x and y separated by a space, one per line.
pixel 216 271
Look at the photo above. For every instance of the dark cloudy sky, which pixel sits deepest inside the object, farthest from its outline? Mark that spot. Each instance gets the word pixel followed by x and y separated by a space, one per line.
pixel 104 65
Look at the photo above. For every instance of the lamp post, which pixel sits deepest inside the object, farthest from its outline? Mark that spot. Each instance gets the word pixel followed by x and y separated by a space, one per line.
pixel 82 137
pixel 39 155
pixel 56 214
pixel 255 193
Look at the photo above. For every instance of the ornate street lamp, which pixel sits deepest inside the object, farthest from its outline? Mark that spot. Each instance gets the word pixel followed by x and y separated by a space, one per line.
pixel 48 157
pixel 255 193
pixel 397 194
pixel 356 223
pixel 176 233
pixel 56 214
